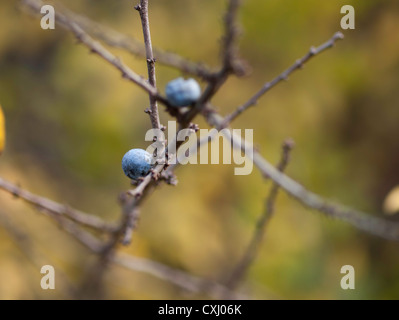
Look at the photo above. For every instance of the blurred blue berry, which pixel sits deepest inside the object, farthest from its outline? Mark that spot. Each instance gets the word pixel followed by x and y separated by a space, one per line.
pixel 136 163
pixel 181 93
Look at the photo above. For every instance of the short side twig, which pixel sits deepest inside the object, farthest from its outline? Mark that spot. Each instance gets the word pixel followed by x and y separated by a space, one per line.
pixel 283 76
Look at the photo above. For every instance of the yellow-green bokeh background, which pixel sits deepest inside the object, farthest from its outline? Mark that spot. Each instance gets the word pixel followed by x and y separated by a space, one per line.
pixel 71 117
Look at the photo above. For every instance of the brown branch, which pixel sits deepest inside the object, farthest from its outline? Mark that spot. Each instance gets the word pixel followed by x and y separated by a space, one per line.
pixel 97 48
pixel 143 10
pixel 44 204
pixel 180 278
pixel 252 250
pixel 283 76
pixel 358 219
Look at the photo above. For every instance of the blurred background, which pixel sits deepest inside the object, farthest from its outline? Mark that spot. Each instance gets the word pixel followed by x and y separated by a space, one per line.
pixel 71 117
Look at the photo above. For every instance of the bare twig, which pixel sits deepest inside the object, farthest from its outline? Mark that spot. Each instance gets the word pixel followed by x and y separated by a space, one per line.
pixel 58 209
pixel 143 10
pixel 230 64
pixel 363 221
pixel 229 47
pixel 180 278
pixel 119 40
pixel 100 50
pixel 253 248
pixel 283 76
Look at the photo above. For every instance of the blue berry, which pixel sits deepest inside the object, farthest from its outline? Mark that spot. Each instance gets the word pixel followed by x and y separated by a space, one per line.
pixel 181 93
pixel 136 163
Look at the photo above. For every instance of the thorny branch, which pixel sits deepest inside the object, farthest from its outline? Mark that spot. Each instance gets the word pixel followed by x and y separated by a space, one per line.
pixel 81 28
pixel 131 206
pixel 142 8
